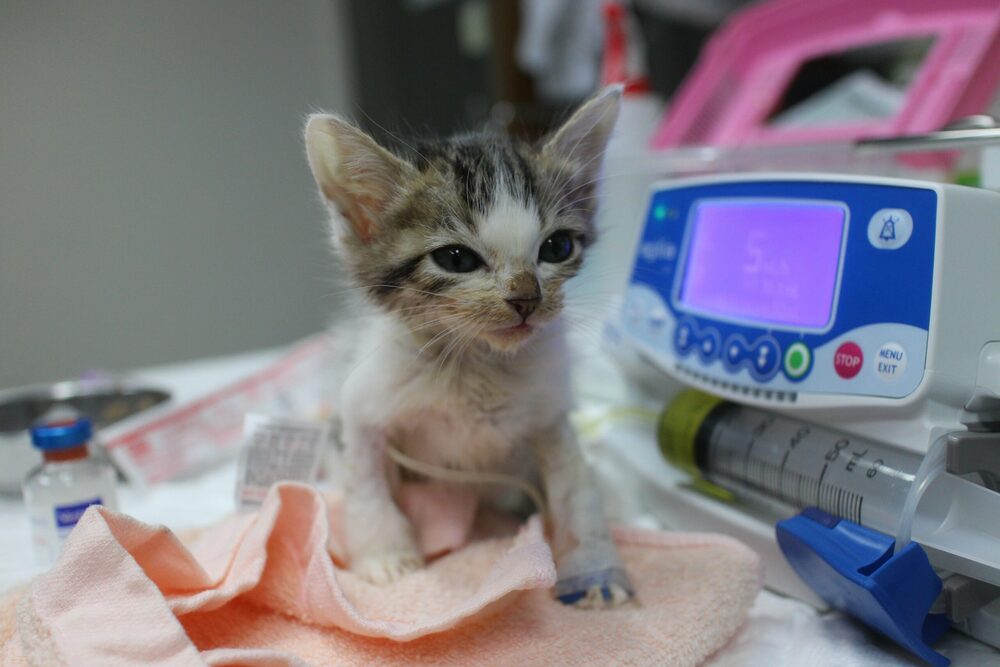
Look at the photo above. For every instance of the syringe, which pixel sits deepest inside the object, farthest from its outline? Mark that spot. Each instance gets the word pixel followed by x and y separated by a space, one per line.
pixel 760 454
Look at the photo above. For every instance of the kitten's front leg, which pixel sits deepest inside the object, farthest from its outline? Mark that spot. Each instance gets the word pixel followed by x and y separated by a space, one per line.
pixel 379 539
pixel 590 571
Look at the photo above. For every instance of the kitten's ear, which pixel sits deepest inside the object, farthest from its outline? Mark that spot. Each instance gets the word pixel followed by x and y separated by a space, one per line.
pixel 581 140
pixel 354 173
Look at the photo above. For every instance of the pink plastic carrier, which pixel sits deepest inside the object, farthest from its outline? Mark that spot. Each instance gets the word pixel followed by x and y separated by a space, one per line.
pixel 748 64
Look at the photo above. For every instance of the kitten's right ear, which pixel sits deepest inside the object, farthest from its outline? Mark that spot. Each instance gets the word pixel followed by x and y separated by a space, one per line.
pixel 356 175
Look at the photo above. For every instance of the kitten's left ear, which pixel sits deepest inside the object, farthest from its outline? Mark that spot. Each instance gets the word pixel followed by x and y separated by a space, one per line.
pixel 356 176
pixel 581 140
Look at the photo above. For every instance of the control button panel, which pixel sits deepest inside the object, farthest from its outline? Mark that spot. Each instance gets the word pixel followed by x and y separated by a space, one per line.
pixel 765 358
pixel 848 360
pixel 890 228
pixel 708 346
pixel 798 359
pixel 885 359
pixel 733 352
pixel 689 338
pixel 753 317
pixel 890 361
pixel 762 359
pixel 684 338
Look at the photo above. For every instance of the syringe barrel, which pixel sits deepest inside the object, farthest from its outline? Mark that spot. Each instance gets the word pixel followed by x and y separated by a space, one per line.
pixel 794 462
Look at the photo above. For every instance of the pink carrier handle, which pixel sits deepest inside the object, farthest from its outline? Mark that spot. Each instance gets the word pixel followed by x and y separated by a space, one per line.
pixel 747 65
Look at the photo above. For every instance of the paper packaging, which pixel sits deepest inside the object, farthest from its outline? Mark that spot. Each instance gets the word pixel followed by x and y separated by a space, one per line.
pixel 277 450
pixel 183 438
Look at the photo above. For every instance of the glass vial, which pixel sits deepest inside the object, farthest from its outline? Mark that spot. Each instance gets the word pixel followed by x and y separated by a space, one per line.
pixel 68 481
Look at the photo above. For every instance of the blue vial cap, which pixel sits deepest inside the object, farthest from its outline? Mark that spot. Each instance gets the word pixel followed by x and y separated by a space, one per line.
pixel 61 434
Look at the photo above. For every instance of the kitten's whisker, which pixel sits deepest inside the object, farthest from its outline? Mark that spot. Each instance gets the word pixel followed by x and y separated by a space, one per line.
pixel 589 331
pixel 455 350
pixel 470 340
pixel 614 270
pixel 448 321
pixel 456 317
pixel 361 359
pixel 596 296
pixel 437 371
pixel 406 288
pixel 583 316
pixel 441 334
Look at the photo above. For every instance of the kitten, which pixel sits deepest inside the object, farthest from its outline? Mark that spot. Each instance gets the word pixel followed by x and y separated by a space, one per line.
pixel 463 248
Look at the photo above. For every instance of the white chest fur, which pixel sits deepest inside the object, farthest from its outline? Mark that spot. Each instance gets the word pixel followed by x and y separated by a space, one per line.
pixel 474 412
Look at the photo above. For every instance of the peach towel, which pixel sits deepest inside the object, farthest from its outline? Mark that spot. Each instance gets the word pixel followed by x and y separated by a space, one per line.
pixel 262 590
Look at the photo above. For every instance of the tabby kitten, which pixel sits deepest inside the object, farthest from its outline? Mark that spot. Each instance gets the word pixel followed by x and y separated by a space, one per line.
pixel 463 248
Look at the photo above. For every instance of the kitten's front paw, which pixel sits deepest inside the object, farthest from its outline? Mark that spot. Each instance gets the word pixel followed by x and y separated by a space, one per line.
pixel 603 597
pixel 384 569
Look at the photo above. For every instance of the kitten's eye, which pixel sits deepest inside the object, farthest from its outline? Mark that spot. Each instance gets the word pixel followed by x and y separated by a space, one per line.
pixel 457 259
pixel 557 248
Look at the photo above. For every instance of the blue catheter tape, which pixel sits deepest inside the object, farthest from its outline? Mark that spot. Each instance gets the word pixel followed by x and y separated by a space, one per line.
pixel 855 570
pixel 569 591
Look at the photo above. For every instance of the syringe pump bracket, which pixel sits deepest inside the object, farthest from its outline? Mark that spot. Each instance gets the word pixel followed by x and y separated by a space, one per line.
pixel 856 570
pixel 978 453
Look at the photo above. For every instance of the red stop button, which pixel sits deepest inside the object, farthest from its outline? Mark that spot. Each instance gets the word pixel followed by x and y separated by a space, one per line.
pixel 847 360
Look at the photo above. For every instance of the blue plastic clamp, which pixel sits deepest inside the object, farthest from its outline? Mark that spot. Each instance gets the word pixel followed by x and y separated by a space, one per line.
pixel 856 571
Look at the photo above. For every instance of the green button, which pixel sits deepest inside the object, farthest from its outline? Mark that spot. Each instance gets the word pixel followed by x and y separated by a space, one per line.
pixel 797 360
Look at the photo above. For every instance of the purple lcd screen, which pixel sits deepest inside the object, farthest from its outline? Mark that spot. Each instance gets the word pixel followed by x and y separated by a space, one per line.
pixel 773 262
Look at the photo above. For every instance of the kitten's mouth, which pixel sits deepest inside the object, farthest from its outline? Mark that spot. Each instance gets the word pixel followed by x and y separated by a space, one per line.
pixel 515 332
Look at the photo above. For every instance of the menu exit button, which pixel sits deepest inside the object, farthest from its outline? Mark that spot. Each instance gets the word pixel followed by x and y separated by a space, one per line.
pixel 847 360
pixel 891 361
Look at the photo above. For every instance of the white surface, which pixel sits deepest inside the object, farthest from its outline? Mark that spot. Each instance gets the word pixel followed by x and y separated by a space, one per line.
pixel 779 631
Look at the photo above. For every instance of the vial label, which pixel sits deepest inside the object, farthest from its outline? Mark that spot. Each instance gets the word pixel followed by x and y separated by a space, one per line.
pixel 67 516
pixel 51 525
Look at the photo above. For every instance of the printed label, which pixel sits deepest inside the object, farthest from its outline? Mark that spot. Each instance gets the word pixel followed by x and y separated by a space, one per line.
pixel 276 450
pixel 67 516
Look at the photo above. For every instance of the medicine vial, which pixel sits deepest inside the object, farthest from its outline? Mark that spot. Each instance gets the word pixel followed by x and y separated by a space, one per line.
pixel 68 481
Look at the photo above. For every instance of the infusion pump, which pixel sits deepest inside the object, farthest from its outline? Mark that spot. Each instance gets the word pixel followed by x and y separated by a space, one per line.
pixel 862 309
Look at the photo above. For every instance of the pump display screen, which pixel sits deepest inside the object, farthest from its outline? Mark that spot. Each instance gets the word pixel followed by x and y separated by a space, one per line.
pixel 764 261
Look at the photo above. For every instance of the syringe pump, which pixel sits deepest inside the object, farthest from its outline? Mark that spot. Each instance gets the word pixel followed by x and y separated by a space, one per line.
pixel 843 338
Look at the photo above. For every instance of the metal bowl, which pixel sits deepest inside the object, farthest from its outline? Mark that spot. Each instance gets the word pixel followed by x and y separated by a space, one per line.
pixel 104 400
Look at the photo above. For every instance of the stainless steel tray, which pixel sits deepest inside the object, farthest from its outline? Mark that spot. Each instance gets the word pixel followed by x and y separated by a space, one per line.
pixel 104 400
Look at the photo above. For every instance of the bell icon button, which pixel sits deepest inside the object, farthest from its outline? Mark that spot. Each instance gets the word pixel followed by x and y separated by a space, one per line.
pixel 890 228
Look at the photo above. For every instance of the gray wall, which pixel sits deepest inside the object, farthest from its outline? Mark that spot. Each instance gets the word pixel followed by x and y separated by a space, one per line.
pixel 155 204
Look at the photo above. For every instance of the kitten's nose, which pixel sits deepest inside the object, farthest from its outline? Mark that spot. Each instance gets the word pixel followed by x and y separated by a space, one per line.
pixel 524 307
pixel 524 293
